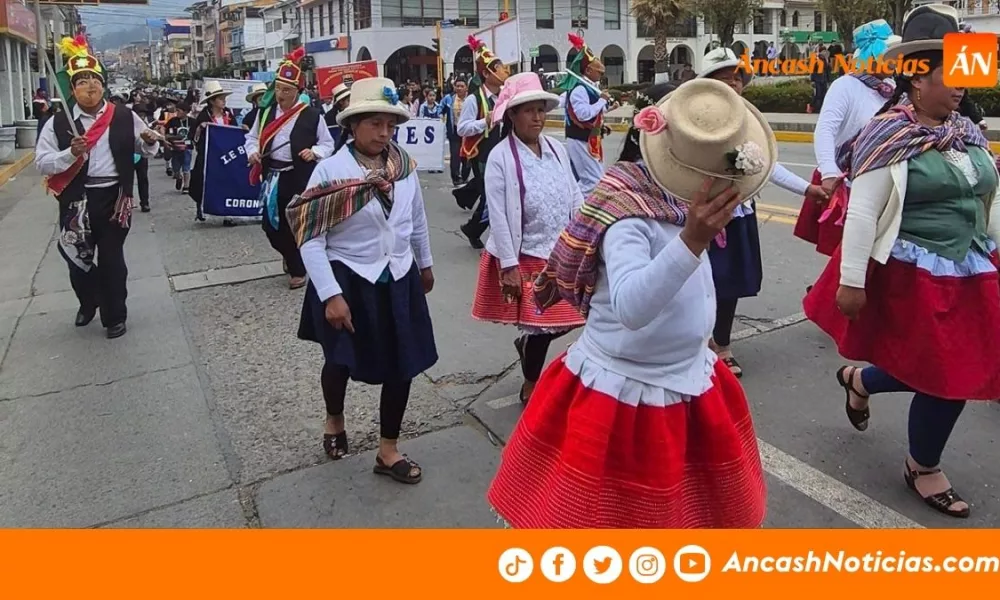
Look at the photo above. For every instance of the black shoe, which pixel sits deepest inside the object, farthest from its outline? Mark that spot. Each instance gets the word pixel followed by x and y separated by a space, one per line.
pixel 84 316
pixel 116 331
pixel 144 207
pixel 170 173
pixel 178 184
pixel 228 223
pixel 474 240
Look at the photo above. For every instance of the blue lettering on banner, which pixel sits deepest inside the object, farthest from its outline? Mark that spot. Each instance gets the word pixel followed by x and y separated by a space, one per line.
pixel 429 135
pixel 228 192
pixel 411 135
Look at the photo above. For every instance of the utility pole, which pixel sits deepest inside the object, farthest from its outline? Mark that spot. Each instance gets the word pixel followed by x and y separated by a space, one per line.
pixel 440 63
pixel 42 46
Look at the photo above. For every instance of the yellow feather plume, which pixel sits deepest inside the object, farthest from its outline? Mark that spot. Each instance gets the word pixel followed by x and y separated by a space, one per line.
pixel 73 46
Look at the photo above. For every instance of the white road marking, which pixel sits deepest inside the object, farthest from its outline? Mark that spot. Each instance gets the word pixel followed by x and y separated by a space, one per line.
pixel 831 493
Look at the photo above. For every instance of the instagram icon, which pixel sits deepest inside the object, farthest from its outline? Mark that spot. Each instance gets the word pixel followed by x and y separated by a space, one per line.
pixel 647 565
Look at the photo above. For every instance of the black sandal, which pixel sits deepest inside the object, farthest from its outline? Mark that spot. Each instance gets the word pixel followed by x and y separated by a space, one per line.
pixel 335 445
pixel 942 501
pixel 401 470
pixel 858 418
pixel 734 366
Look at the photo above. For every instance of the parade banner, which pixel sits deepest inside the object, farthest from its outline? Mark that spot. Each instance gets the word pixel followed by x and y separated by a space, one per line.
pixel 228 192
pixel 237 100
pixel 328 78
pixel 425 141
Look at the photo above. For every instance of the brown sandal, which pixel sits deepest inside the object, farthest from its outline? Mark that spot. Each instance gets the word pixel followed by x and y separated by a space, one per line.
pixel 401 470
pixel 335 445
pixel 858 417
pixel 942 501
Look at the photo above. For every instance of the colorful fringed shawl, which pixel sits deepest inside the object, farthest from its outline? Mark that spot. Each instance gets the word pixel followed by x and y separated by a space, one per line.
pixel 896 135
pixel 322 207
pixel 625 191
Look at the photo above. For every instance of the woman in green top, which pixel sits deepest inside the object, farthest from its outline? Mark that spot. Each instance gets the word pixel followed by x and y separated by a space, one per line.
pixel 914 289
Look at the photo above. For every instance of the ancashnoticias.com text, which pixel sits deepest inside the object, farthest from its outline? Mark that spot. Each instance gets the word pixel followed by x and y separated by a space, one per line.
pixel 879 562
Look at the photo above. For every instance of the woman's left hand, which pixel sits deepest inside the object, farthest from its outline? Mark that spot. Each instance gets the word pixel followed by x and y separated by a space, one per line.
pixel 851 301
pixel 817 194
pixel 427 278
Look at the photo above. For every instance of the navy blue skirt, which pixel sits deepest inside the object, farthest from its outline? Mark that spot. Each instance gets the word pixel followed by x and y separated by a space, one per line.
pixel 737 269
pixel 393 339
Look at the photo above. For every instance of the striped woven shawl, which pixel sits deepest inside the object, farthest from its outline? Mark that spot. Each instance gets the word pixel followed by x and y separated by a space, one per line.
pixel 896 135
pixel 625 191
pixel 323 207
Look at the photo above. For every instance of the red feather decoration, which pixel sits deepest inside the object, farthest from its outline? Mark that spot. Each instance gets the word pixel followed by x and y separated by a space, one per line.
pixel 576 40
pixel 296 55
pixel 81 39
pixel 474 43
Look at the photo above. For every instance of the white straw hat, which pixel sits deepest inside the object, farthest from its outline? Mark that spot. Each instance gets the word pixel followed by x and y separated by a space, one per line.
pixel 256 91
pixel 723 58
pixel 374 95
pixel 212 89
pixel 340 92
pixel 705 129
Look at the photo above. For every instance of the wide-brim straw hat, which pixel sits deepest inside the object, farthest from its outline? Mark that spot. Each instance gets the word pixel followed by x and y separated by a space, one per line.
pixel 723 58
pixel 258 90
pixel 707 130
pixel 374 95
pixel 212 89
pixel 519 89
pixel 340 92
pixel 924 29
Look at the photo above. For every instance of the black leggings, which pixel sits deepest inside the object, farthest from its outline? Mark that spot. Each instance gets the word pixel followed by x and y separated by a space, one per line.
pixel 725 314
pixel 536 348
pixel 392 404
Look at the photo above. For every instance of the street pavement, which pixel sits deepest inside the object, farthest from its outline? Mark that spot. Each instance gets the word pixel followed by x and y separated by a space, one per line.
pixel 209 413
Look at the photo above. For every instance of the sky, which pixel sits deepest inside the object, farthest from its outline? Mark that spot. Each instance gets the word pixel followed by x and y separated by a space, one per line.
pixel 104 19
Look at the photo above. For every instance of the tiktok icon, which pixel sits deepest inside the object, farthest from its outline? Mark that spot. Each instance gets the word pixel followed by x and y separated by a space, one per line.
pixel 516 565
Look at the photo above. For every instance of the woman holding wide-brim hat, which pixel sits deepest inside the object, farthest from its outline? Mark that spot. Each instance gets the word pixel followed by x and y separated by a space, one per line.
pixel 913 289
pixel 737 264
pixel 215 111
pixel 362 232
pixel 639 424
pixel 531 194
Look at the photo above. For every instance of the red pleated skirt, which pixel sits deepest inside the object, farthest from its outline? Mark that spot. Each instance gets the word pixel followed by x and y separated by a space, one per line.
pixel 823 225
pixel 490 305
pixel 581 459
pixel 938 335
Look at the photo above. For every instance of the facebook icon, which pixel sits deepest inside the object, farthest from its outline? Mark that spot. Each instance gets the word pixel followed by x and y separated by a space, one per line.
pixel 558 564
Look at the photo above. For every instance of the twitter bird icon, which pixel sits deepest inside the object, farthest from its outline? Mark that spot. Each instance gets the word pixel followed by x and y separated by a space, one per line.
pixel 602 564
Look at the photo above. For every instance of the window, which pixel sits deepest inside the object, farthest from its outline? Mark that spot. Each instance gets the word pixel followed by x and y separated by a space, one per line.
pixel 817 21
pixel 761 23
pixel 469 10
pixel 612 14
pixel 342 15
pixel 312 25
pixel 544 15
pixel 362 14
pixel 795 18
pixel 782 19
pixel 411 13
pixel 578 13
pixel 322 24
pixel 329 10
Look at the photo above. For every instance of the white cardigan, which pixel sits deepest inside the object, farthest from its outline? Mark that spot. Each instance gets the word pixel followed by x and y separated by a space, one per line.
pixel 874 215
pixel 503 198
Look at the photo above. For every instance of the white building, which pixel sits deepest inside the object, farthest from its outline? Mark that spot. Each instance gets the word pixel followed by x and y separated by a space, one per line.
pixel 399 34
pixel 983 15
pixel 281 31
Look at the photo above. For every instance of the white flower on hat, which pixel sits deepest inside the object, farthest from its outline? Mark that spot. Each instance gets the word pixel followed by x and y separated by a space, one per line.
pixel 747 158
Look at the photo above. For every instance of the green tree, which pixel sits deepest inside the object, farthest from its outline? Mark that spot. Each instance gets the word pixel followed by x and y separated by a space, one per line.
pixel 849 14
pixel 724 15
pixel 659 16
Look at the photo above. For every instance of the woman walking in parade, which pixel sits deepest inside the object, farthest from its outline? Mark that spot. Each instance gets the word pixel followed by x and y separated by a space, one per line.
pixel 913 289
pixel 531 194
pixel 363 236
pixel 737 266
pixel 850 104
pixel 639 424
pixel 215 112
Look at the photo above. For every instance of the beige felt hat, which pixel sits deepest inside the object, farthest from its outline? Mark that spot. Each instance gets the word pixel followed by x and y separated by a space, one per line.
pixel 710 132
pixel 212 89
pixel 374 95
pixel 256 91
pixel 340 92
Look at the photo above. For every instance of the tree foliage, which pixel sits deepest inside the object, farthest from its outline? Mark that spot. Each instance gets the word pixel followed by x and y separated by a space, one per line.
pixel 659 16
pixel 849 14
pixel 724 15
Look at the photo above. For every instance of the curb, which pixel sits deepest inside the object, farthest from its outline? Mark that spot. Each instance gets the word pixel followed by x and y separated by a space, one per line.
pixel 8 172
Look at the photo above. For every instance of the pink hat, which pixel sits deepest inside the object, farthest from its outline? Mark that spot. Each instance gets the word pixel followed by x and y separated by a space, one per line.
pixel 521 89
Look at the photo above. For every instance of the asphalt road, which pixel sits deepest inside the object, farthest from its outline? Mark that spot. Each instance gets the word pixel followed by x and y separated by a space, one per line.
pixel 209 413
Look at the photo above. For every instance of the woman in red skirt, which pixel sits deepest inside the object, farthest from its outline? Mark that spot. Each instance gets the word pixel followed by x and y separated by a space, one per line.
pixel 914 289
pixel 530 194
pixel 639 424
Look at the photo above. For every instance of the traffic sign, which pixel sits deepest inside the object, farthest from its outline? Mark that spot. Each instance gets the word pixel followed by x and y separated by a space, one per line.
pixel 533 52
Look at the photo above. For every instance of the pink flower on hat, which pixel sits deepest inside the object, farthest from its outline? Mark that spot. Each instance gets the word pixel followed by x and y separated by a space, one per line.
pixel 650 120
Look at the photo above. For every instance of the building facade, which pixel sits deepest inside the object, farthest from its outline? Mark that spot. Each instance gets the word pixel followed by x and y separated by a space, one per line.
pixel 176 54
pixel 282 31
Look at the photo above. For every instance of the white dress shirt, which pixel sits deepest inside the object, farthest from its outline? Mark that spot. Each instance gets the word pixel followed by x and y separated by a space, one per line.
pixel 579 99
pixel 468 124
pixel 50 160
pixel 652 311
pixel 367 242
pixel 281 148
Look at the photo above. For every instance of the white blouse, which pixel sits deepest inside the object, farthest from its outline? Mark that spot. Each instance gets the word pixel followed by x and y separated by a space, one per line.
pixel 848 106
pixel 368 242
